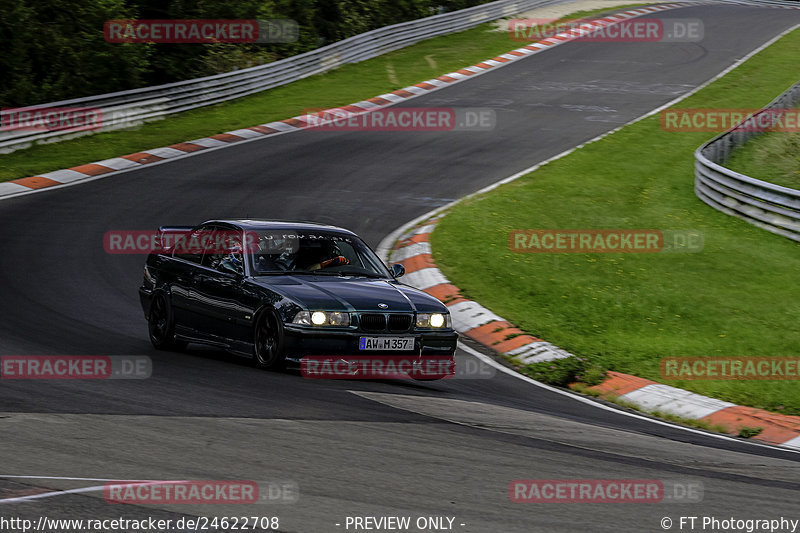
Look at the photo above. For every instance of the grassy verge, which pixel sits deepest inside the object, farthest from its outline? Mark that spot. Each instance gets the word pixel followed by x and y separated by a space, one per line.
pixel 342 86
pixel 773 157
pixel 738 297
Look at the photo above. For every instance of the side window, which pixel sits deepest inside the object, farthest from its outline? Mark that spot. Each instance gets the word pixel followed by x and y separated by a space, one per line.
pixel 224 247
pixel 191 248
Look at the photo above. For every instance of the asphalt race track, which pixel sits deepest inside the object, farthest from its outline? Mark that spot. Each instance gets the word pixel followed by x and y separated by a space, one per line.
pixel 354 448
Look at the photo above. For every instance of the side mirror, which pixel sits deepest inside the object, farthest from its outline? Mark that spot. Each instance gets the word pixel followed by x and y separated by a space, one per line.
pixel 398 270
pixel 228 268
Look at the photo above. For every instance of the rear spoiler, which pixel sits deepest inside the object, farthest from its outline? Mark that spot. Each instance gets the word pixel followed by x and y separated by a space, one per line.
pixel 168 236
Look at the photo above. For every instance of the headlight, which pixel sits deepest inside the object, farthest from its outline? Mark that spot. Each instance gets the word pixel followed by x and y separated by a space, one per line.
pixel 433 320
pixel 322 318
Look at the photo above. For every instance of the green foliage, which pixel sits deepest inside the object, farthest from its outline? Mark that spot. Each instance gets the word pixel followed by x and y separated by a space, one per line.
pixel 55 49
pixel 592 374
pixel 563 372
pixel 749 432
pixel 560 372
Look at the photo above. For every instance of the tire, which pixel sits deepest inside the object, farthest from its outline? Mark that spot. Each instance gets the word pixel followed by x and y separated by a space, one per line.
pixel 268 342
pixel 161 325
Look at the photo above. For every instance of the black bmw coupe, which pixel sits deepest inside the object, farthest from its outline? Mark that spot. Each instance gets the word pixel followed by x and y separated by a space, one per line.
pixel 281 291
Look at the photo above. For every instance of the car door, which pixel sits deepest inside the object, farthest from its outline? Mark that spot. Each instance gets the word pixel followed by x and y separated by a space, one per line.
pixel 186 261
pixel 217 290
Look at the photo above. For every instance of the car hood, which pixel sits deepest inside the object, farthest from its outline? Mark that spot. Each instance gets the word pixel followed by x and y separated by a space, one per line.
pixel 350 294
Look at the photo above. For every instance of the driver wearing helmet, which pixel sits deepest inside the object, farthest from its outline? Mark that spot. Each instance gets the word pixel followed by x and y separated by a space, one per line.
pixel 234 259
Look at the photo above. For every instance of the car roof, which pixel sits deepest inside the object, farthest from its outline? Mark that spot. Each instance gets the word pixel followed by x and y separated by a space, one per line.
pixel 261 224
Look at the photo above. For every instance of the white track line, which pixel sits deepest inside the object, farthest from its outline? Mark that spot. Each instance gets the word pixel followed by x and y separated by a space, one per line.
pixel 96 488
pixel 43 495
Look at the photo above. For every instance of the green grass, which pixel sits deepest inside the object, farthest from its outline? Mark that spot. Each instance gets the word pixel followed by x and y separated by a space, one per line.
pixel 773 157
pixel 345 85
pixel 749 432
pixel 738 297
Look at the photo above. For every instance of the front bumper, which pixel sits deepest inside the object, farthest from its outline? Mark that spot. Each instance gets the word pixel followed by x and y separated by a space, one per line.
pixel 303 341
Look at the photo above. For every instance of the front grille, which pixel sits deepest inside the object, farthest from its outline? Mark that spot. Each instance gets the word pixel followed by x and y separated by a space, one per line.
pixel 392 322
pixel 373 322
pixel 399 322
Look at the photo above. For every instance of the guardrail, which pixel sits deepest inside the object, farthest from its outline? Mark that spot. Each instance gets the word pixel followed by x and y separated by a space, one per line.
pixel 133 107
pixel 763 204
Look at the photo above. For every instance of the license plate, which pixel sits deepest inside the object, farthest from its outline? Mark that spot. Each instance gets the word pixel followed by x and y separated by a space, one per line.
pixel 391 344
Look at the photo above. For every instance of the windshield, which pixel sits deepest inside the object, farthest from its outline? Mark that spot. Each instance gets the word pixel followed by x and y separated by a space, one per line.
pixel 315 252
